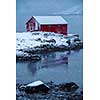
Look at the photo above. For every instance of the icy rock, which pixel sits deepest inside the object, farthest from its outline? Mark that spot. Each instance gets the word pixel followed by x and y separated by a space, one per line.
pixel 35 87
pixel 22 88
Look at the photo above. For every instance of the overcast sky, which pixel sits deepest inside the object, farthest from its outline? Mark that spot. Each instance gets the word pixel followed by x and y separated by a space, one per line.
pixel 26 8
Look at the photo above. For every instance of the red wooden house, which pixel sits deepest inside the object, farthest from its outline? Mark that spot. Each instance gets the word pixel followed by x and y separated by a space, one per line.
pixel 47 24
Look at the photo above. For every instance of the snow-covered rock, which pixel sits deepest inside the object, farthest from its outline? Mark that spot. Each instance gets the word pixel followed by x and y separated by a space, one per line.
pixel 37 86
pixel 37 42
pixel 27 40
pixel 21 53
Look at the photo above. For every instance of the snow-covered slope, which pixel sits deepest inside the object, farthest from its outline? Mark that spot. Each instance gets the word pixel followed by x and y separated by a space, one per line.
pixel 76 10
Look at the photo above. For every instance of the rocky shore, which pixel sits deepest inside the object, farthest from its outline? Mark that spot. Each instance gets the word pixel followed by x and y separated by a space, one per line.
pixel 30 44
pixel 66 91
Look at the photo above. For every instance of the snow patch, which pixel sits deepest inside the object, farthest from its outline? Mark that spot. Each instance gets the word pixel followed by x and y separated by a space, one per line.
pixel 36 83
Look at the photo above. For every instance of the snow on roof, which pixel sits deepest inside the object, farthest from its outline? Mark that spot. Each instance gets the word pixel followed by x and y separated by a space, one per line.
pixel 50 19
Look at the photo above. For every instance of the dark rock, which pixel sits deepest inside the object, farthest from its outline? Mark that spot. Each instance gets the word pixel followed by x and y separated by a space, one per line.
pixel 38 39
pixel 68 42
pixel 81 92
pixel 75 97
pixel 76 39
pixel 50 41
pixel 28 58
pixel 76 35
pixel 69 86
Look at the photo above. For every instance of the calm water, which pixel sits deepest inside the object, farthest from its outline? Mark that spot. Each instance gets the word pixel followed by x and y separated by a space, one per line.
pixel 53 67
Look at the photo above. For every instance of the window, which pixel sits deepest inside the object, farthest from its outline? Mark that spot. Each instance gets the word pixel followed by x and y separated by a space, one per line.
pixel 31 26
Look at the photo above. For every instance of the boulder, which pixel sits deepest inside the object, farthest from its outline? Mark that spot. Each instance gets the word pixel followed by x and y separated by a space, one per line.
pixel 35 87
pixel 69 87
pixel 22 88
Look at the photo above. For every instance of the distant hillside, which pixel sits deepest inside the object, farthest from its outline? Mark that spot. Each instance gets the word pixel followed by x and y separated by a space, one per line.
pixel 76 10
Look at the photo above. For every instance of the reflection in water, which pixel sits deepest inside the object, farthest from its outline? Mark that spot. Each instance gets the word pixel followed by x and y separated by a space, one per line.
pixel 53 67
pixel 48 56
pixel 32 67
pixel 48 60
pixel 53 62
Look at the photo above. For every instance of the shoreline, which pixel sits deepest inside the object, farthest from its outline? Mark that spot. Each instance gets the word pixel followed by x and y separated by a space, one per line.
pixel 31 44
pixel 56 92
pixel 33 55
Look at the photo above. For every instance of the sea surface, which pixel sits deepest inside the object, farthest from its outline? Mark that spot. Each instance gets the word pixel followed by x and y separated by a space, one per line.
pixel 59 67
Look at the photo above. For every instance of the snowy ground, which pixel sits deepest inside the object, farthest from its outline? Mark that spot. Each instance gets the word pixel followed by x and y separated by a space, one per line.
pixel 36 40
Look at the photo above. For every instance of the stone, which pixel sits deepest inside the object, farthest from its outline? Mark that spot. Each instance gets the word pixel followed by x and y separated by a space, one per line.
pixel 22 88
pixel 37 86
pixel 69 86
pixel 76 39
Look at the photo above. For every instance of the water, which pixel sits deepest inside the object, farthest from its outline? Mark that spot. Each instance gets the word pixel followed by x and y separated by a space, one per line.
pixel 53 67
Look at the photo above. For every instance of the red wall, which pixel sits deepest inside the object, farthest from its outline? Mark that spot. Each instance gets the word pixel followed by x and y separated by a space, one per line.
pixel 61 29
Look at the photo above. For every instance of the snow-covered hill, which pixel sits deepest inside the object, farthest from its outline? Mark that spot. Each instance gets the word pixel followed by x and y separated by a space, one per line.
pixel 76 10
